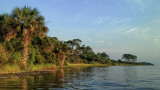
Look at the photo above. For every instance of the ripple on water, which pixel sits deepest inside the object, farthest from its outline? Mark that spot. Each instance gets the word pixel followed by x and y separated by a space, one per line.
pixel 92 78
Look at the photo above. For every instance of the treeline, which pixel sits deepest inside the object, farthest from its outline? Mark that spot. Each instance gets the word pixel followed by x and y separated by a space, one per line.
pixel 23 41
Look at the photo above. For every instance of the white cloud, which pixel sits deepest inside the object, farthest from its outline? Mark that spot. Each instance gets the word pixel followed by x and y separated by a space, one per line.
pixel 100 20
pixel 148 30
pixel 100 41
pixel 138 2
pixel 95 41
pixel 122 28
pixel 131 30
pixel 151 29
pixel 89 39
pixel 139 5
pixel 80 14
pixel 117 21
pixel 110 20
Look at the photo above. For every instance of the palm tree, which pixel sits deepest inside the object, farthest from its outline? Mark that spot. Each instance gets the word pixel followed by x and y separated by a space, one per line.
pixel 61 49
pixel 31 23
pixel 82 49
pixel 7 29
pixel 24 23
pixel 58 50
pixel 77 43
pixel 72 44
pixel 65 49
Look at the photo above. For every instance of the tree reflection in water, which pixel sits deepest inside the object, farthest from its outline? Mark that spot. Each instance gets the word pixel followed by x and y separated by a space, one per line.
pixel 24 83
pixel 58 79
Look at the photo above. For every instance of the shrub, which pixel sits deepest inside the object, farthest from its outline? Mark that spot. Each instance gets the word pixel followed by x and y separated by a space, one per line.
pixel 16 58
pixel 3 58
pixel 39 59
pixel 32 56
pixel 49 57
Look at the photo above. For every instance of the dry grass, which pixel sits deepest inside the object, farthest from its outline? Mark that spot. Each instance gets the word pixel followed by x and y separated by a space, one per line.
pixel 8 68
pixel 41 67
pixel 87 65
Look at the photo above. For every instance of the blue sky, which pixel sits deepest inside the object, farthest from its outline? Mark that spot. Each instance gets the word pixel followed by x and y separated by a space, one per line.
pixel 112 26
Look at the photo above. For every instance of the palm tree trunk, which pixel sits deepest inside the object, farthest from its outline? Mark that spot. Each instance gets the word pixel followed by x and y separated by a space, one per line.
pixel 72 49
pixel 25 44
pixel 1 48
pixel 25 56
pixel 76 54
pixel 57 58
pixel 63 59
pixel 24 84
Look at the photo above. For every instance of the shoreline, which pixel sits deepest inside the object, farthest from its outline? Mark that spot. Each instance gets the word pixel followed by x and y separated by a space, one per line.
pixel 53 69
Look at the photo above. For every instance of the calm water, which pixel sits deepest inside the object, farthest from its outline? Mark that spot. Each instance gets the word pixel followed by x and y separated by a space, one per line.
pixel 91 78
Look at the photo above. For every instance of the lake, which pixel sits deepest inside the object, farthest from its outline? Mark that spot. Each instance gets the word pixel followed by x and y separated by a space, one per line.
pixel 90 78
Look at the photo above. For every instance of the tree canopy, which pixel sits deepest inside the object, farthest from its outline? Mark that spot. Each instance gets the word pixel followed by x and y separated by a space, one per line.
pixel 129 57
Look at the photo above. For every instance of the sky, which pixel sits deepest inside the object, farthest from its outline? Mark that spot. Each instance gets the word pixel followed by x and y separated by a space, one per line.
pixel 116 27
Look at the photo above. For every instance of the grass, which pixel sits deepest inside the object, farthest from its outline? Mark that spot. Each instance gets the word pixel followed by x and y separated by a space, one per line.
pixel 10 68
pixel 41 67
pixel 87 65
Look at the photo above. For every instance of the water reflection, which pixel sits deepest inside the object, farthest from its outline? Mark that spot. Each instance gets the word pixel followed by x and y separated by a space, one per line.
pixel 59 79
pixel 93 78
pixel 130 73
pixel 24 84
pixel 56 80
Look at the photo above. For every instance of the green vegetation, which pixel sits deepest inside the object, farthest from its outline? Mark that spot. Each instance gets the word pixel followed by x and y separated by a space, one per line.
pixel 24 45
pixel 129 57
